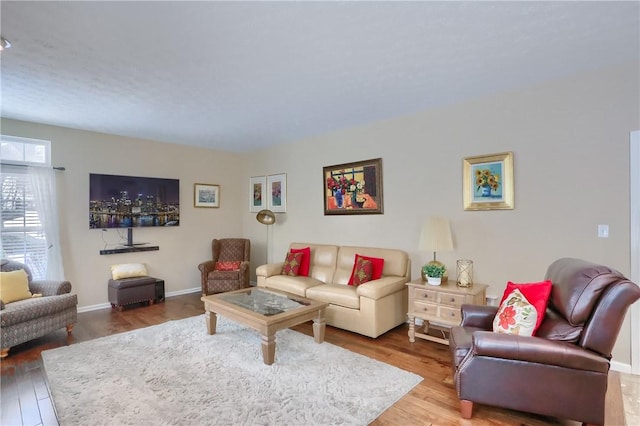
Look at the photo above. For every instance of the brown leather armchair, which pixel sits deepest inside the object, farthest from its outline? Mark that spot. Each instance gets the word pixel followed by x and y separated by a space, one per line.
pixel 562 370
pixel 226 250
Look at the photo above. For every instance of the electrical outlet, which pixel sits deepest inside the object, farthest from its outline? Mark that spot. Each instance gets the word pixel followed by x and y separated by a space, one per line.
pixel 603 231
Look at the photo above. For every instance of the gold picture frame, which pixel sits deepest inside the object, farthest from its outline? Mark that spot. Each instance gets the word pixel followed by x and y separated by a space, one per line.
pixel 206 195
pixel 488 182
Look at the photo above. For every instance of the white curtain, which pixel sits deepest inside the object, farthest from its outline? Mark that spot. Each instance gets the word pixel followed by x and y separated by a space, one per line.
pixel 43 184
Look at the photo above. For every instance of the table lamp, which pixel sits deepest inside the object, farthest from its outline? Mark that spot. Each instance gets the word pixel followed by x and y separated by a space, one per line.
pixel 435 237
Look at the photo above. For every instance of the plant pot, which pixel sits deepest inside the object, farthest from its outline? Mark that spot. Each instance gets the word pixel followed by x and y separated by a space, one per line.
pixel 434 280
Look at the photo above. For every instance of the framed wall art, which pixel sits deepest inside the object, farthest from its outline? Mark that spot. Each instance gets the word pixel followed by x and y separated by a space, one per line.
pixel 488 182
pixel 277 193
pixel 257 198
pixel 206 195
pixel 353 188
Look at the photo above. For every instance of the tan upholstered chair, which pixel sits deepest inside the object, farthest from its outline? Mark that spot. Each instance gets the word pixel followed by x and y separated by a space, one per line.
pixel 226 250
pixel 562 370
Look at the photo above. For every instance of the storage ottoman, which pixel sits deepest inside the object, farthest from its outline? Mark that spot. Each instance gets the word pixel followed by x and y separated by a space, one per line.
pixel 126 291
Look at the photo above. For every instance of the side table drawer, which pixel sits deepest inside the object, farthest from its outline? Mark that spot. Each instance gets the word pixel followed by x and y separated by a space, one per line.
pixel 451 299
pixel 450 314
pixel 425 309
pixel 426 295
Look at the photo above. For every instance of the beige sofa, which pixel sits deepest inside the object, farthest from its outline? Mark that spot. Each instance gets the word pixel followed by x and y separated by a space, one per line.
pixel 371 309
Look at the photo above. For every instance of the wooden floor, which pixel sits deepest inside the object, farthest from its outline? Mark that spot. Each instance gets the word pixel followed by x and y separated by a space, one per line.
pixel 26 400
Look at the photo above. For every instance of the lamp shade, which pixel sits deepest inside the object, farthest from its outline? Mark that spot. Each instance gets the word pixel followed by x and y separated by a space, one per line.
pixel 266 217
pixel 436 235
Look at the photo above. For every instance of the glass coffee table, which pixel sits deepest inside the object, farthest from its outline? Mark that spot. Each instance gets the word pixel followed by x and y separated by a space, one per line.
pixel 265 311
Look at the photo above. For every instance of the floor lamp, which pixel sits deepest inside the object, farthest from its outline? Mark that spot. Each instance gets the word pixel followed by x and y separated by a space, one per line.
pixel 266 217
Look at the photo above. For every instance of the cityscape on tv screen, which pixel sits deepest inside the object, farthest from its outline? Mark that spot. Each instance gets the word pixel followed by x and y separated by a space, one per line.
pixel 130 201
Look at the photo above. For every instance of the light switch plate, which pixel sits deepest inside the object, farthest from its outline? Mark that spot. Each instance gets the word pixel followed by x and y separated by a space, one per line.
pixel 603 231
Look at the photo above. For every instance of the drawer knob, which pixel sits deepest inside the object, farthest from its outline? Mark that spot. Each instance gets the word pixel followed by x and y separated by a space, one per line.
pixel 452 300
pixel 452 314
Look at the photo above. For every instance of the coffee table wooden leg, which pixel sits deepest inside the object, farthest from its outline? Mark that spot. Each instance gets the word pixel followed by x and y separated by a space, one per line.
pixel 269 349
pixel 319 325
pixel 211 319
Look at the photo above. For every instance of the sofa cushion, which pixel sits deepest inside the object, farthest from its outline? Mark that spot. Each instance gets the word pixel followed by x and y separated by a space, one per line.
pixel 322 263
pixel 336 294
pixel 28 309
pixel 377 265
pixel 363 271
pixel 227 266
pixel 395 262
pixel 536 293
pixel 14 286
pixel 291 264
pixel 295 285
pixel 304 262
pixel 516 315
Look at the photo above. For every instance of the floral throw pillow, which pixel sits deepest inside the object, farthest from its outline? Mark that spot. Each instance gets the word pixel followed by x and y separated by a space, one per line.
pixel 292 264
pixel 362 272
pixel 227 266
pixel 515 316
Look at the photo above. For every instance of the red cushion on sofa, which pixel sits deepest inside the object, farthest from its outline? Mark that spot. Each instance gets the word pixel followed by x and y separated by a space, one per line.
pixel 226 266
pixel 536 293
pixel 306 260
pixel 378 264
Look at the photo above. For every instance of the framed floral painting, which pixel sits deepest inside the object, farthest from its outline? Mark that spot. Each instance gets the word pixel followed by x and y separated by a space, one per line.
pixel 353 188
pixel 257 199
pixel 488 182
pixel 277 193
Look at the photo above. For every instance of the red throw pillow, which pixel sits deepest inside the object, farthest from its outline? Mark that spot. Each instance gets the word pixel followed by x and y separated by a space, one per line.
pixel 536 293
pixel 377 263
pixel 292 264
pixel 306 259
pixel 363 272
pixel 226 266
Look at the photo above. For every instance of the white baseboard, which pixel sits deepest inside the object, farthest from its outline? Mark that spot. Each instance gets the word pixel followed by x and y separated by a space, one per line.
pixel 621 367
pixel 108 305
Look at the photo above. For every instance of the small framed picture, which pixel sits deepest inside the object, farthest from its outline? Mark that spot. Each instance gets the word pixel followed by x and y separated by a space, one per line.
pixel 206 195
pixel 257 198
pixel 488 182
pixel 277 193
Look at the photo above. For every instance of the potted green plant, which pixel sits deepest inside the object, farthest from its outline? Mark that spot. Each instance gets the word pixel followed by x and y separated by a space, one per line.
pixel 434 273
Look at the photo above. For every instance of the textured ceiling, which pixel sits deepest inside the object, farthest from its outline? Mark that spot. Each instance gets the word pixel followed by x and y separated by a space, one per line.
pixel 244 75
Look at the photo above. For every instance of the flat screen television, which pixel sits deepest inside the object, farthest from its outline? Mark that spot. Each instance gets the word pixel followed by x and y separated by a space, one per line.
pixel 131 201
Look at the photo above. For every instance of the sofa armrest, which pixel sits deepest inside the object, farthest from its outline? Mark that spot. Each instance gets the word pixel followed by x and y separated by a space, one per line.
pixel 50 287
pixel 269 269
pixel 479 316
pixel 384 286
pixel 537 350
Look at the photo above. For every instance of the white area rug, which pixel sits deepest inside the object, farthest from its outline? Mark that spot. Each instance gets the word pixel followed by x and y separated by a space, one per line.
pixel 176 374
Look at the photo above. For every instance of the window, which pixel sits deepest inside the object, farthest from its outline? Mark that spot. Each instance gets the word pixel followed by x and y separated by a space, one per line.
pixel 23 233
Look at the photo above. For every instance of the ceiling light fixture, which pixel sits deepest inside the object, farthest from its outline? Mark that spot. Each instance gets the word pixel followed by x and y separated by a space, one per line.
pixel 4 43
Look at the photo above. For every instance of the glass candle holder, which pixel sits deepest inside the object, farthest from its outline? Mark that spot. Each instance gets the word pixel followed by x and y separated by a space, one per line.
pixel 465 273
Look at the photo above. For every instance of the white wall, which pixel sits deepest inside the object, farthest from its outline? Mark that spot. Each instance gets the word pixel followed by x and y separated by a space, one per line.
pixel 571 155
pixel 181 248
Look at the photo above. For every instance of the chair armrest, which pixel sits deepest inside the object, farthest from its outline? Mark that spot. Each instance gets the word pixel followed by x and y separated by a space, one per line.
pixel 537 350
pixel 384 286
pixel 479 316
pixel 206 267
pixel 50 287
pixel 269 269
